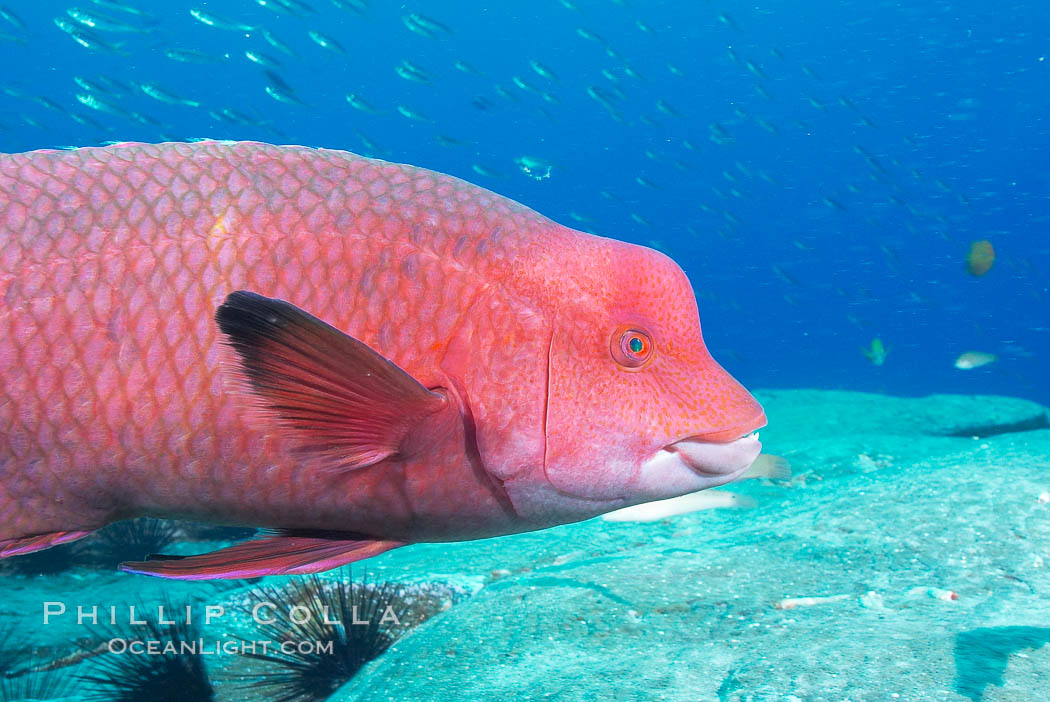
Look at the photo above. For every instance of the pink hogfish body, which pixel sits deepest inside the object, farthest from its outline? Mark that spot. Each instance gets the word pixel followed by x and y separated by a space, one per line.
pixel 418 359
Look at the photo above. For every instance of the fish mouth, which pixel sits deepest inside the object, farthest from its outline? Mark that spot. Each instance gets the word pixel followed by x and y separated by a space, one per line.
pixel 721 453
pixel 732 433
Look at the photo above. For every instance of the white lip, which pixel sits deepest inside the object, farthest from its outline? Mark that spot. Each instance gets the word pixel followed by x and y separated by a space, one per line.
pixel 692 464
pixel 709 458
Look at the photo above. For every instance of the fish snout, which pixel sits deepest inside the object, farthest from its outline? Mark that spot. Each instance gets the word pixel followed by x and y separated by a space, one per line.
pixel 700 461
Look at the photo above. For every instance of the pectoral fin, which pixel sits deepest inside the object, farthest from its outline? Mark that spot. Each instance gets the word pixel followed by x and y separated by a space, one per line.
pixel 29 544
pixel 283 554
pixel 339 398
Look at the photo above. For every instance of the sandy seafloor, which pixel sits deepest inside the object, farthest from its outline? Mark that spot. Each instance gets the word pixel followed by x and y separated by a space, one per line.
pixel 926 521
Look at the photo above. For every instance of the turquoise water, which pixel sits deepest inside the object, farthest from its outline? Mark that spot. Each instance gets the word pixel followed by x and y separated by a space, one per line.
pixel 819 171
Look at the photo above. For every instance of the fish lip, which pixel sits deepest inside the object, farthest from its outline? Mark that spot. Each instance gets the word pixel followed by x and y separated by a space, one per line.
pixel 730 451
pixel 723 436
pixel 720 459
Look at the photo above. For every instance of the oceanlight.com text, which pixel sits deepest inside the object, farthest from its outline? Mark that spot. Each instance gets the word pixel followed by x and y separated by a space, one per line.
pixel 202 647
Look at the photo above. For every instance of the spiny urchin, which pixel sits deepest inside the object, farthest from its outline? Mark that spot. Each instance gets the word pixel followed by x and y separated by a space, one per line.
pixel 173 671
pixel 130 540
pixel 45 685
pixel 322 632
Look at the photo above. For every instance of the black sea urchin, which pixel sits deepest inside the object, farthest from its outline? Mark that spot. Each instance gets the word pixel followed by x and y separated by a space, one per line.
pixel 169 668
pixel 50 561
pixel 131 540
pixel 16 680
pixel 9 655
pixel 312 655
pixel 46 685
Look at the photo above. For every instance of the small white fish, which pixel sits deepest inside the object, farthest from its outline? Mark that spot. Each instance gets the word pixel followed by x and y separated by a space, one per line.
pixel 326 42
pixel 935 592
pixel 163 95
pixel 485 171
pixel 359 103
pixel 542 70
pixel 974 359
pixel 261 59
pixel 220 22
pixel 282 94
pixel 278 44
pixel 684 504
pixel 793 602
pixel 412 114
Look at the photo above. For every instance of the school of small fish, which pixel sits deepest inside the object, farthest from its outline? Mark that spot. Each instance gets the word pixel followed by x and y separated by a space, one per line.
pixel 261 47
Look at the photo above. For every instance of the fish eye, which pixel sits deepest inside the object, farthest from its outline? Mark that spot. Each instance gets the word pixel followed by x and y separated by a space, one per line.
pixel 631 347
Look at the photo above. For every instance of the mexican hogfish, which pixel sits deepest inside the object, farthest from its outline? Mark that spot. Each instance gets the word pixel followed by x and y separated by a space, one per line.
pixel 351 353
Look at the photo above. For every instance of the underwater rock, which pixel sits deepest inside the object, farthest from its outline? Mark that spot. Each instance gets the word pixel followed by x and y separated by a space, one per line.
pixel 807 413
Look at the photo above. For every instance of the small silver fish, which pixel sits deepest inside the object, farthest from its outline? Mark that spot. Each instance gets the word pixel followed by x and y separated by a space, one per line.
pixel 282 94
pixel 412 114
pixel 359 103
pixel 11 18
pixel 86 38
pixel 127 9
pixel 425 25
pixel 101 105
pixel 219 22
pixel 543 71
pixel 485 171
pixel 359 7
pixel 192 56
pixel 276 43
pixel 161 94
pixel 102 23
pixel 411 72
pixel 261 59
pixel 326 42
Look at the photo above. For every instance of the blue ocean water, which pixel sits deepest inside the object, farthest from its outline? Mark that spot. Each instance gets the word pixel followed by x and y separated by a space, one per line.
pixel 818 169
